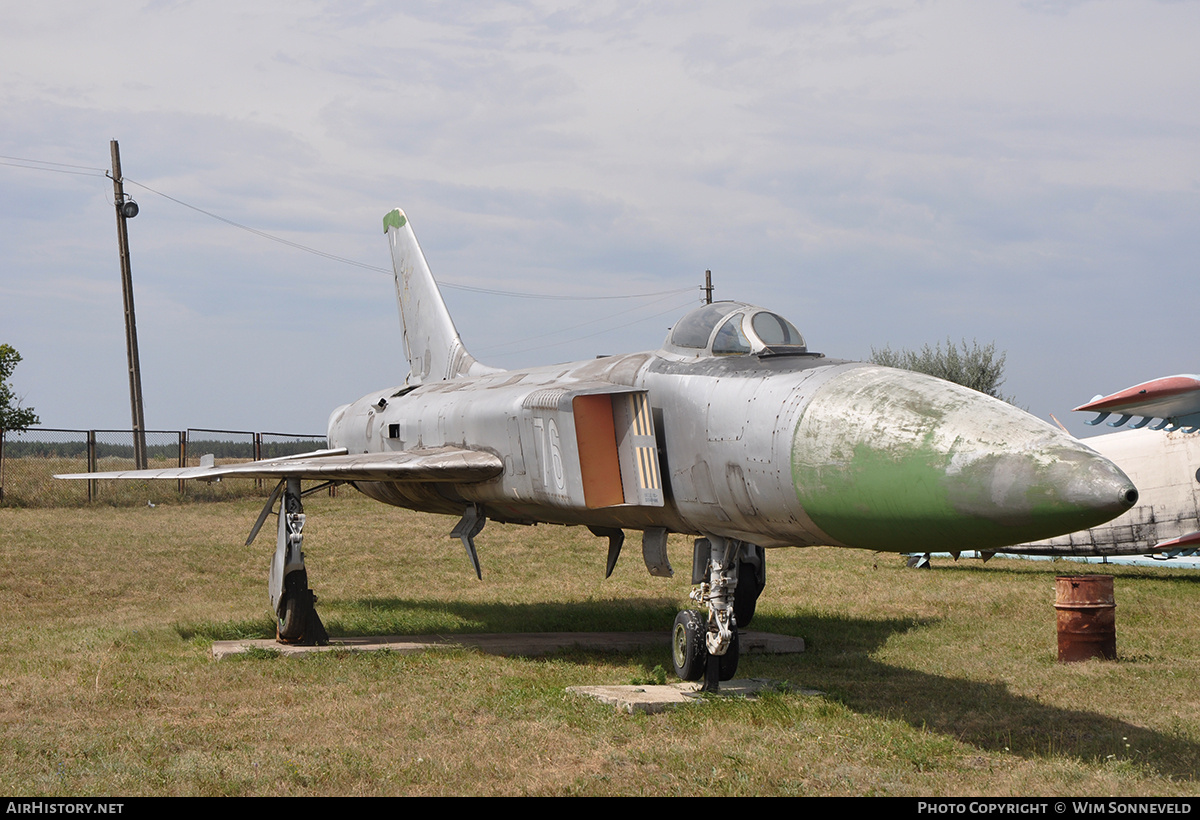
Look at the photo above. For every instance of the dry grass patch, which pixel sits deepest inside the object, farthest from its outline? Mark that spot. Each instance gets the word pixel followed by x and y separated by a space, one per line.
pixel 936 683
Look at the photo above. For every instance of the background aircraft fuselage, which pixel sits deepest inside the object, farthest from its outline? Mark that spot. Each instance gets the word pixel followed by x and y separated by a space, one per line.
pixel 1165 466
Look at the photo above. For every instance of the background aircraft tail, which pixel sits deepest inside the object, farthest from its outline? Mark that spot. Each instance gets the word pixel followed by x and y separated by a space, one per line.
pixel 435 351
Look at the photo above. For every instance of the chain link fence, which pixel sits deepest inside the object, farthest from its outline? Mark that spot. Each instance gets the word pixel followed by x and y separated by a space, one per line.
pixel 30 459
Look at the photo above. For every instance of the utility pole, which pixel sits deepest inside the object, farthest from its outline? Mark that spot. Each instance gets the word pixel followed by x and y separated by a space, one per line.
pixel 707 287
pixel 126 210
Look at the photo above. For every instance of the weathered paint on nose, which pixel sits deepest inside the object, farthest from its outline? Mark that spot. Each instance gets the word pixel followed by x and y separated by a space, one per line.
pixel 891 460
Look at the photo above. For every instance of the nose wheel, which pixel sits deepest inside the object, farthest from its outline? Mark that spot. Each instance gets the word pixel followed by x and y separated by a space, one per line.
pixel 690 655
pixel 705 647
pixel 689 652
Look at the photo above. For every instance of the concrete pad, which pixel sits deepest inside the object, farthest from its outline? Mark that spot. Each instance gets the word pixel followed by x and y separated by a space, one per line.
pixel 525 644
pixel 652 699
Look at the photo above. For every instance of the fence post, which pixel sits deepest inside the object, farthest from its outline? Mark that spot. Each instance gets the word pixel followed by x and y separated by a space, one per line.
pixel 258 482
pixel 183 457
pixel 92 485
pixel 1 465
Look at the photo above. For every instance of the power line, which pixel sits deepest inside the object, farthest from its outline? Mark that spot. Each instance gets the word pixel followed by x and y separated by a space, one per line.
pixel 84 170
pixel 671 310
pixel 494 349
pixel 48 162
pixel 20 162
pixel 257 232
pixel 520 295
pixel 442 283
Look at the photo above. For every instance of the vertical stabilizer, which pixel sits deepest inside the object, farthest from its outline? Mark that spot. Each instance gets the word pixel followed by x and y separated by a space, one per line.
pixel 435 351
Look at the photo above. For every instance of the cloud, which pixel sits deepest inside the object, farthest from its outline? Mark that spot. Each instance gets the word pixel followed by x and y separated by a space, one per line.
pixel 882 172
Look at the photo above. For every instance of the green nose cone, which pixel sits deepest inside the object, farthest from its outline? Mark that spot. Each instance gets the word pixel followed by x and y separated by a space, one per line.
pixel 891 460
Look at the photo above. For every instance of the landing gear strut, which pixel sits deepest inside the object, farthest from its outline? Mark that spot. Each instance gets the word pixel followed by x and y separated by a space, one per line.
pixel 294 603
pixel 707 647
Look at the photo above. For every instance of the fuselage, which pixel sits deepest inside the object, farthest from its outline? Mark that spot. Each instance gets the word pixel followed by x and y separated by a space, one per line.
pixel 788 450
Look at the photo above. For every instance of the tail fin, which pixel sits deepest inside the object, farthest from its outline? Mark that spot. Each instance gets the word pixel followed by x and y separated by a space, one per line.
pixel 435 351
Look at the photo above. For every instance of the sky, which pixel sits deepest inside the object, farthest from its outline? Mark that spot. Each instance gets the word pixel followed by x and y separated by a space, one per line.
pixel 882 173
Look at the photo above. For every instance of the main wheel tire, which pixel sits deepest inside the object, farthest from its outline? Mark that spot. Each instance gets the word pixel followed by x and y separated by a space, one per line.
pixel 297 607
pixel 745 596
pixel 689 652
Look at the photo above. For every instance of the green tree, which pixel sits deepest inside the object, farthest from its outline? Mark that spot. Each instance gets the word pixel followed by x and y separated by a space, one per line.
pixel 974 366
pixel 12 415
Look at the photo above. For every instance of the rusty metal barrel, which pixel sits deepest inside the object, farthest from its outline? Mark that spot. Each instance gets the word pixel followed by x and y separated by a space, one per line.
pixel 1087 622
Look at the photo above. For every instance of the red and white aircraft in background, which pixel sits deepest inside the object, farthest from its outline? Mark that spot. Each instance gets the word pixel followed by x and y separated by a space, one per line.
pixel 1160 452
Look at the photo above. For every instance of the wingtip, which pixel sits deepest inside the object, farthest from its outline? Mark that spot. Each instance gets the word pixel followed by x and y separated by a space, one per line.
pixel 1133 397
pixel 1192 539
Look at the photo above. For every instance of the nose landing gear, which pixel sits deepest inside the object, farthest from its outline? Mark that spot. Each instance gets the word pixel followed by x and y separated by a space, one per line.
pixel 707 647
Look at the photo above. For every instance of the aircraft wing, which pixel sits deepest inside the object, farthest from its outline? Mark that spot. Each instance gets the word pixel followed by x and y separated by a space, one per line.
pixel 450 464
pixel 1183 545
pixel 1173 399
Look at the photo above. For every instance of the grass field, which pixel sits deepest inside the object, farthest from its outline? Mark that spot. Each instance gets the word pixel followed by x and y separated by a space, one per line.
pixel 939 682
pixel 29 482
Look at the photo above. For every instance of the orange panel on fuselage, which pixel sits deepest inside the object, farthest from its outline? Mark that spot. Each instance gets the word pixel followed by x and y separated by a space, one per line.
pixel 597 440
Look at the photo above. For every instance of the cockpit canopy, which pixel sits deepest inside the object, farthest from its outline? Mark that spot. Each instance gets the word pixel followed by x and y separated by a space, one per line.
pixel 734 329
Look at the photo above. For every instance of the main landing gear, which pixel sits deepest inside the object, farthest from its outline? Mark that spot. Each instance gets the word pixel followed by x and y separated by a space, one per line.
pixel 294 603
pixel 728 576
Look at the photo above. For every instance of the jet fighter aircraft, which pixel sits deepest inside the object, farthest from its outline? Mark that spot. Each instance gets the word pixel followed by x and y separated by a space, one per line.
pixel 733 431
